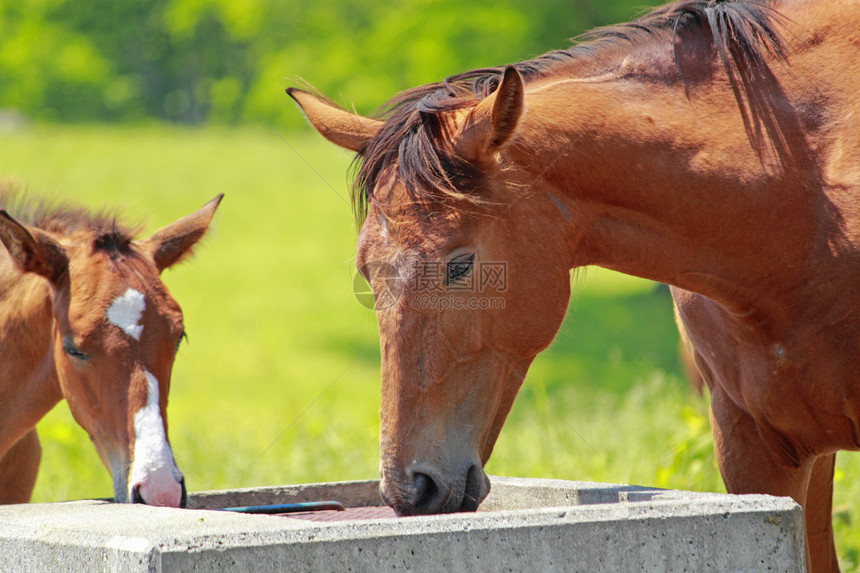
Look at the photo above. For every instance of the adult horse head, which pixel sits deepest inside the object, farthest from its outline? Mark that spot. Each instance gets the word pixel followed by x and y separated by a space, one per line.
pixel 86 317
pixel 469 298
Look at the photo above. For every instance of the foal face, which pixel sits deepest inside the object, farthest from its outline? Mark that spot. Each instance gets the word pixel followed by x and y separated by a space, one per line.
pixel 116 333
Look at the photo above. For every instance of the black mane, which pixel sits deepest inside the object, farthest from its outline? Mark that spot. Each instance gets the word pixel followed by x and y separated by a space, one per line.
pixel 743 33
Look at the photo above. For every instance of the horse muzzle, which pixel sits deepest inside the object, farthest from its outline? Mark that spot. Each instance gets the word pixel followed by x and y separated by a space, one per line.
pixel 423 490
pixel 162 486
pixel 163 497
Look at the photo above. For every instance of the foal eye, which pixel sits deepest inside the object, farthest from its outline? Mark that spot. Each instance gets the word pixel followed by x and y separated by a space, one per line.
pixel 183 336
pixel 459 267
pixel 73 351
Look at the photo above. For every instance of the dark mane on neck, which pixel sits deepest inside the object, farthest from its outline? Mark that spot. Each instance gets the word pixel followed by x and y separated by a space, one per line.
pixel 744 33
pixel 63 219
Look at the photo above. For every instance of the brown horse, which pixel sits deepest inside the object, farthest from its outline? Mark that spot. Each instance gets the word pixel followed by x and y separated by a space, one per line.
pixel 84 316
pixel 713 146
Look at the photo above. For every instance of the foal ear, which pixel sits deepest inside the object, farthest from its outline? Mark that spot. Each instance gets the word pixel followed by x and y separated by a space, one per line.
pixel 33 250
pixel 171 244
pixel 494 120
pixel 348 130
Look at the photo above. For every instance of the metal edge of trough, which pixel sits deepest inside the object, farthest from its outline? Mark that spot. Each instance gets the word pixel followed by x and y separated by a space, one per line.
pixel 525 524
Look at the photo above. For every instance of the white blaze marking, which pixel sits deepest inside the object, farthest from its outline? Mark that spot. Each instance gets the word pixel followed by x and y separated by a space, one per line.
pixel 153 469
pixel 125 312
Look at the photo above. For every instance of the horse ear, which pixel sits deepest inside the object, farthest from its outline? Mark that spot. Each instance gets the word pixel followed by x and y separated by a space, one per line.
pixel 348 130
pixel 33 250
pixel 172 243
pixel 494 120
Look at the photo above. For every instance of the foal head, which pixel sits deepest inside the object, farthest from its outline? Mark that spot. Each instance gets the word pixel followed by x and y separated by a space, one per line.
pixel 470 278
pixel 115 334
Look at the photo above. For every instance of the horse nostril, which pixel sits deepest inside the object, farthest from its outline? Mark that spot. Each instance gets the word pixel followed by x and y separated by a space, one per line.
pixel 135 495
pixel 477 487
pixel 427 494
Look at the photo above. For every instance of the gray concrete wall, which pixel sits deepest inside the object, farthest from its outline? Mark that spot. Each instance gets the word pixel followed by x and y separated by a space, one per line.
pixel 526 525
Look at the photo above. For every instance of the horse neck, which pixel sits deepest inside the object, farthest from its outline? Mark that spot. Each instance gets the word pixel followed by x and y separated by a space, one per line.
pixel 668 187
pixel 29 387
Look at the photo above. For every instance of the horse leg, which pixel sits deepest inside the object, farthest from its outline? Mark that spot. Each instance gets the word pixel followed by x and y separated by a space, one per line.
pixel 747 465
pixel 818 513
pixel 18 469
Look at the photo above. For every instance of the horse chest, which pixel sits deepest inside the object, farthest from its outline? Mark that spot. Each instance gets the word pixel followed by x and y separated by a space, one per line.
pixel 806 388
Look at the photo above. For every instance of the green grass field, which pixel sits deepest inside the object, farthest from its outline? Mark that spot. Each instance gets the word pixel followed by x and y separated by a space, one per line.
pixel 279 381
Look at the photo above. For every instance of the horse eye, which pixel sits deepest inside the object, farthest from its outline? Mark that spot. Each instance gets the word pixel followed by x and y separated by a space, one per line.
pixel 183 336
pixel 459 267
pixel 73 351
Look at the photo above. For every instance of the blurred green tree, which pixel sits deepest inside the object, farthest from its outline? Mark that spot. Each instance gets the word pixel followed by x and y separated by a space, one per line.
pixel 192 61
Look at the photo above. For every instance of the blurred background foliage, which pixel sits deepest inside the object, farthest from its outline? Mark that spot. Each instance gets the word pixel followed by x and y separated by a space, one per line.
pixel 228 62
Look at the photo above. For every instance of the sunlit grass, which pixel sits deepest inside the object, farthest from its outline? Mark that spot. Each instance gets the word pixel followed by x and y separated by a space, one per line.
pixel 279 380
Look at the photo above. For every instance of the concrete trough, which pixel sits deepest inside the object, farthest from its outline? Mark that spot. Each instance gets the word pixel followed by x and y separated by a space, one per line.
pixel 524 525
